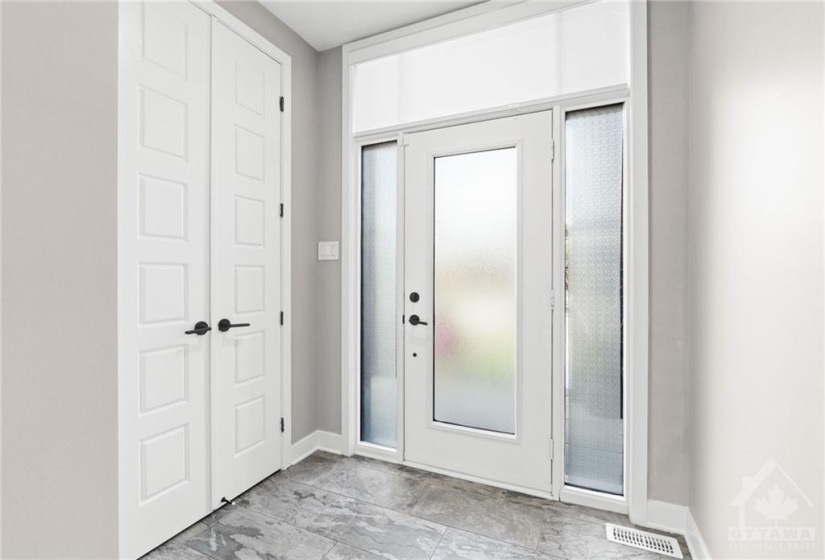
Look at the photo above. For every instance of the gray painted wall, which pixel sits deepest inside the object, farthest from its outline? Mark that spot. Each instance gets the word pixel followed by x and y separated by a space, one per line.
pixel 668 82
pixel 756 258
pixel 328 317
pixel 306 139
pixel 59 248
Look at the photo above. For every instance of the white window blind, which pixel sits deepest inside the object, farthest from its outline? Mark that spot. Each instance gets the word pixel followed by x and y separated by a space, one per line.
pixel 570 51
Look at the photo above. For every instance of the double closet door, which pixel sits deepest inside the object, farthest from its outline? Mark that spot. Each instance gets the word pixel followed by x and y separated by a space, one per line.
pixel 199 269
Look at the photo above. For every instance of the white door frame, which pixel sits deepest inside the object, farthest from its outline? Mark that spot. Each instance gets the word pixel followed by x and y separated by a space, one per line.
pixel 259 41
pixel 462 22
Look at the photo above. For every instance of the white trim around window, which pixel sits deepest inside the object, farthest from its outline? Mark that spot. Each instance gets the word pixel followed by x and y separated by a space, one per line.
pixel 456 24
pixel 636 364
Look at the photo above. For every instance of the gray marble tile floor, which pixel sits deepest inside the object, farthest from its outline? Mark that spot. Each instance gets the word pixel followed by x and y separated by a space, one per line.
pixel 352 508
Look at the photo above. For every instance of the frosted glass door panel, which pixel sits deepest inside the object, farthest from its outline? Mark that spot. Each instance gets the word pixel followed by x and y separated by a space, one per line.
pixel 475 315
pixel 378 299
pixel 594 442
pixel 570 51
pixel 477 239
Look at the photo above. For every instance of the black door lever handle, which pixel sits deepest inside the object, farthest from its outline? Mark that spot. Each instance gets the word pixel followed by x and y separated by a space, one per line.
pixel 224 325
pixel 415 320
pixel 201 328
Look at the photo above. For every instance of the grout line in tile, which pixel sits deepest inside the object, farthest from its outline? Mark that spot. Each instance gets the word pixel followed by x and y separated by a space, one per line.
pixel 334 544
pixel 439 543
pixel 208 556
pixel 354 547
pixel 427 488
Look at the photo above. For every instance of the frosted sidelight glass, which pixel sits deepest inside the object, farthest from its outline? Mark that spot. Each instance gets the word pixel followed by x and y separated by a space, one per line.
pixel 594 423
pixel 572 50
pixel 476 197
pixel 378 293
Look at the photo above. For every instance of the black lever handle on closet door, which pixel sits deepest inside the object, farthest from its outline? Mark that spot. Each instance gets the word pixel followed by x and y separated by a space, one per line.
pixel 415 320
pixel 201 328
pixel 224 325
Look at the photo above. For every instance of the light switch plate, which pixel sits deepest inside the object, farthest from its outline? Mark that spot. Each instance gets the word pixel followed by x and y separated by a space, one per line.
pixel 327 250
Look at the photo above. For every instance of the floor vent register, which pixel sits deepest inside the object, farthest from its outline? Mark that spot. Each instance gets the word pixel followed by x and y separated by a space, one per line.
pixel 644 540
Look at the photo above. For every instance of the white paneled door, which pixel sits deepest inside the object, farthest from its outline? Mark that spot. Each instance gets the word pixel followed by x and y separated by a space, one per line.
pixel 199 269
pixel 246 282
pixel 478 246
pixel 163 271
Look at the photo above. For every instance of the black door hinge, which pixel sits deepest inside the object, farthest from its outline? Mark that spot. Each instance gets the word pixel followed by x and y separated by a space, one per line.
pixel 282 210
pixel 282 104
pixel 283 428
pixel 282 317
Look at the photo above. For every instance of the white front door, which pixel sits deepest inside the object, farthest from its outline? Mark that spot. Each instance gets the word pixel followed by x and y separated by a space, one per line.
pixel 478 248
pixel 163 271
pixel 246 275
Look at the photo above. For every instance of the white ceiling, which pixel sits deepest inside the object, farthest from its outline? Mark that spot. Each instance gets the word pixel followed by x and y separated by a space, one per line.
pixel 327 24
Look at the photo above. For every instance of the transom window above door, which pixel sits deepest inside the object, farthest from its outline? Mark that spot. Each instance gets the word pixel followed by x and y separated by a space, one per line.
pixel 564 52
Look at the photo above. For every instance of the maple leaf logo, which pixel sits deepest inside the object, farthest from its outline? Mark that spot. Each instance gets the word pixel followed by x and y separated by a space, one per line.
pixel 776 506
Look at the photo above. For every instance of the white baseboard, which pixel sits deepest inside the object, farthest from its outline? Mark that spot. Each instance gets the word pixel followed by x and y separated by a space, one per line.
pixel 673 518
pixel 318 440
pixel 327 441
pixel 664 516
pixel 696 544
pixel 304 448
